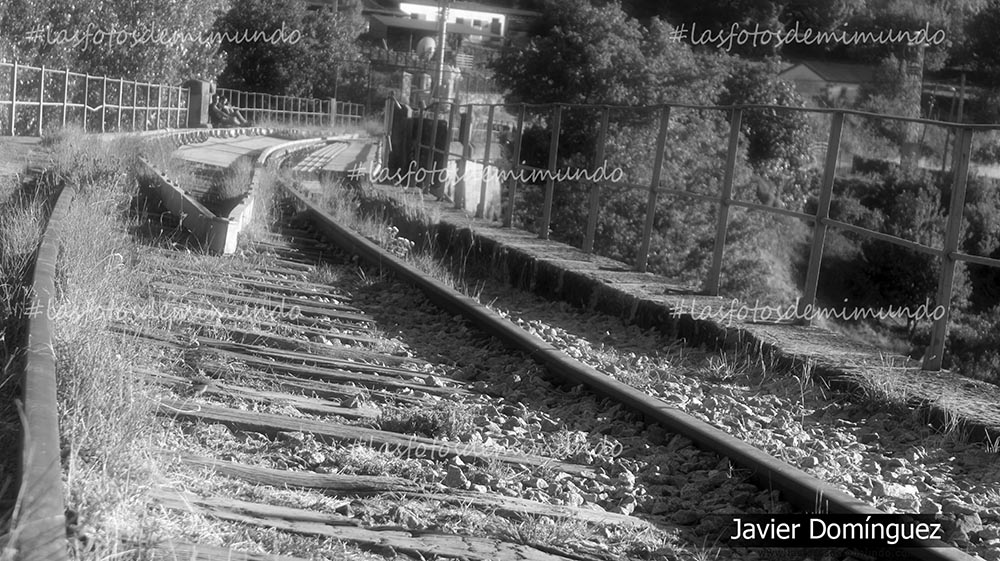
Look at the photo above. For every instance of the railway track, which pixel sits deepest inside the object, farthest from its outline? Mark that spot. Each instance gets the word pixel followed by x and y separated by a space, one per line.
pixel 314 407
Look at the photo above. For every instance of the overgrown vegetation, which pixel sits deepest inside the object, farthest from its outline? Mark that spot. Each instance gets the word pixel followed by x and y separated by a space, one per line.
pixel 23 210
pixel 759 248
pixel 105 418
pixel 765 256
pixel 104 411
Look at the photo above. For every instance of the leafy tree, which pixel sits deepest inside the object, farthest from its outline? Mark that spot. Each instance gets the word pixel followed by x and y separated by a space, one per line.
pixel 982 237
pixel 579 54
pixel 131 39
pixel 307 64
pixel 911 208
pixel 777 141
pixel 596 54
pixel 973 340
pixel 979 49
pixel 827 15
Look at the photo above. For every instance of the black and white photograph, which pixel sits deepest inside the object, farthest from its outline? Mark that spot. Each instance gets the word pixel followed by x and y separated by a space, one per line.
pixel 488 280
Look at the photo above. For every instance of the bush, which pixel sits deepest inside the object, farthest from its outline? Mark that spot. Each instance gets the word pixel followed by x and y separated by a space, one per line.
pixel 973 343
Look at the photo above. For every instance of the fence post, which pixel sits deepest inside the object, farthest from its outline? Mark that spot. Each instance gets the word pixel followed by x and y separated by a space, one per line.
pixel 41 99
pixel 463 164
pixel 135 102
pixel 65 96
pixel 104 103
pixel 13 96
pixel 449 136
pixel 387 147
pixel 722 219
pixel 411 180
pixel 481 207
pixel 159 106
pixel 432 149
pixel 145 113
pixel 508 220
pixel 956 210
pixel 121 101
pixel 595 189
pixel 805 306
pixel 86 99
pixel 550 185
pixel 654 186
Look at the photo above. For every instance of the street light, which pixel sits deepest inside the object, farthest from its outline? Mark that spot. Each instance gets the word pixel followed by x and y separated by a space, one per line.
pixel 442 37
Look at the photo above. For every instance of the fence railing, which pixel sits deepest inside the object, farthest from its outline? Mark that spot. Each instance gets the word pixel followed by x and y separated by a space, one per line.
pixel 35 98
pixel 724 200
pixel 258 107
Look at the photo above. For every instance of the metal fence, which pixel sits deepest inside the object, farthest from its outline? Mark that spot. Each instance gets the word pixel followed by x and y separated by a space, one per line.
pixel 725 199
pixel 33 99
pixel 261 107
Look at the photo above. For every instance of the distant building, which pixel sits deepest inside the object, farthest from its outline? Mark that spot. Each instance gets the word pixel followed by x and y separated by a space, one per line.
pixel 828 81
pixel 402 24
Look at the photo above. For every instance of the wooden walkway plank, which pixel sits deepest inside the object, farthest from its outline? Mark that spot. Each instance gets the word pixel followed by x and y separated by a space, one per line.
pixel 179 551
pixel 346 357
pixel 516 507
pixel 264 265
pixel 261 287
pixel 236 510
pixel 347 338
pixel 305 343
pixel 308 405
pixel 335 483
pixel 304 305
pixel 292 384
pixel 364 375
pixel 267 284
pixel 410 542
pixel 513 507
pixel 405 445
pixel 238 311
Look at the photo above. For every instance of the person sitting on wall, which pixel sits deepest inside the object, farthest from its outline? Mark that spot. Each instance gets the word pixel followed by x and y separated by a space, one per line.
pixel 218 116
pixel 234 113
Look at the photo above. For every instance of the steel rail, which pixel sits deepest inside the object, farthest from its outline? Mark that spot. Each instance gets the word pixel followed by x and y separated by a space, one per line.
pixel 798 487
pixel 38 525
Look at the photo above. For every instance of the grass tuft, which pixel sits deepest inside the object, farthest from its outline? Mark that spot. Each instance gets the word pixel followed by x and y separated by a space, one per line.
pixel 449 420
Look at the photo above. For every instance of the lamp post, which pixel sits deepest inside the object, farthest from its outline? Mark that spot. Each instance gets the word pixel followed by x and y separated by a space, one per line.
pixel 442 38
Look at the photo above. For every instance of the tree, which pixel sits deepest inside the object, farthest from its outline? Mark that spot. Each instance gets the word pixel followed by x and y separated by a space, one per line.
pixel 911 207
pixel 979 49
pixel 777 141
pixel 580 53
pixel 160 41
pixel 304 65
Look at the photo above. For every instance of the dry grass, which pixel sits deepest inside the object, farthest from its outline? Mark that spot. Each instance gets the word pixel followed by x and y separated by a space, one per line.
pixel 266 211
pixel 104 412
pixel 450 420
pixel 235 180
pixel 22 219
